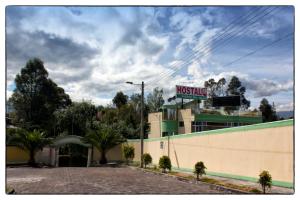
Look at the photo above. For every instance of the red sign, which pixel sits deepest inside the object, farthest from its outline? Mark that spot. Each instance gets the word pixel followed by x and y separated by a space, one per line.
pixel 191 92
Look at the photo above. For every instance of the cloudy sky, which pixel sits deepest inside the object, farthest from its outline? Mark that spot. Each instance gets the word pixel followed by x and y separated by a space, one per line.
pixel 92 51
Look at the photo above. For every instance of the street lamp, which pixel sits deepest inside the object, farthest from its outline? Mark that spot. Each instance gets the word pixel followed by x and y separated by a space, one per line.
pixel 142 119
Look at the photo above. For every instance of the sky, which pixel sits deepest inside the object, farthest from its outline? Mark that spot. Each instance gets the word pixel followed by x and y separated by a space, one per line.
pixel 92 51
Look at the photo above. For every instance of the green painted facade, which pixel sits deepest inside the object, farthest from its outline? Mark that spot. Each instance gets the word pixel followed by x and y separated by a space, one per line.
pixel 169 126
pixel 227 118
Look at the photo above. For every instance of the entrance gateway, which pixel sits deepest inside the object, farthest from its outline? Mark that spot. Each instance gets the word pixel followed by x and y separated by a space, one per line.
pixel 70 141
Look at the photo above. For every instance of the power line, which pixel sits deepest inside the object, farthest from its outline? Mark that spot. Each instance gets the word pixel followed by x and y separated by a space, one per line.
pixel 227 40
pixel 222 42
pixel 219 35
pixel 259 49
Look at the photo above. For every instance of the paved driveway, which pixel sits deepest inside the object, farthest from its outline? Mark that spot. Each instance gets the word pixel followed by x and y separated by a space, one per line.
pixel 97 180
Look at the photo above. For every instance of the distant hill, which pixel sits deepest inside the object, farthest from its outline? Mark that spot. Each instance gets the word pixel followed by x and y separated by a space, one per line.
pixel 285 114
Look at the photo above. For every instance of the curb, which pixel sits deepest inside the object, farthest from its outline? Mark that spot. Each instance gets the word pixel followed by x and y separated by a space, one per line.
pixel 213 186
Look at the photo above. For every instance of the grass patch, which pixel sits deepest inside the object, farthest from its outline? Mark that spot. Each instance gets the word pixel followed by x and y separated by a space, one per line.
pixel 230 185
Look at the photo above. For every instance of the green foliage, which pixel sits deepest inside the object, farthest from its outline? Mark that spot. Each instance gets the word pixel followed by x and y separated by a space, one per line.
pixel 155 99
pixel 265 180
pixel 165 163
pixel 268 111
pixel 235 88
pixel 199 169
pixel 36 97
pixel 120 99
pixel 147 159
pixel 128 152
pixel 76 119
pixel 32 142
pixel 103 137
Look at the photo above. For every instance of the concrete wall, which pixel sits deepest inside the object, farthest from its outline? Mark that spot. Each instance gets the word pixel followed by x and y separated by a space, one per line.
pixel 241 152
pixel 155 124
pixel 187 117
pixel 15 155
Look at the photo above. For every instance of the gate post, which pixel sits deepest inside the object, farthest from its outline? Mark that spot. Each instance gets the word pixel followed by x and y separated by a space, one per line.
pixel 89 157
pixel 56 157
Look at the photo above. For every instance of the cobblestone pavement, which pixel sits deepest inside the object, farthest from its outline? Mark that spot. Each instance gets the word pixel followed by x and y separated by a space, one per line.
pixel 97 180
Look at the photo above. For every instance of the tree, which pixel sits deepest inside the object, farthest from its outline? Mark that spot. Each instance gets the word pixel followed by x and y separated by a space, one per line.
pixel 265 180
pixel 76 119
pixel 30 141
pixel 155 100
pixel 104 137
pixel 235 88
pixel 147 159
pixel 214 89
pixel 128 152
pixel 268 111
pixel 199 169
pixel 36 97
pixel 165 163
pixel 120 99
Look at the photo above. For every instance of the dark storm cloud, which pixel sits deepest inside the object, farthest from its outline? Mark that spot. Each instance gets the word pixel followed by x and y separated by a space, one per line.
pixel 22 46
pixel 263 88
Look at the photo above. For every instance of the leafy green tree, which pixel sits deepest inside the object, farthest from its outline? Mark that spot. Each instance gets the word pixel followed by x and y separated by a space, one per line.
pixel 104 137
pixel 235 88
pixel 155 99
pixel 36 97
pixel 199 169
pixel 147 159
pixel 265 180
pixel 128 152
pixel 268 111
pixel 32 142
pixel 165 163
pixel 76 119
pixel 120 99
pixel 214 89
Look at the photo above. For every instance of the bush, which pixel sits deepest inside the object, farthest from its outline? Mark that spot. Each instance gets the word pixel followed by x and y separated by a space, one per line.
pixel 128 152
pixel 147 159
pixel 265 180
pixel 199 169
pixel 165 163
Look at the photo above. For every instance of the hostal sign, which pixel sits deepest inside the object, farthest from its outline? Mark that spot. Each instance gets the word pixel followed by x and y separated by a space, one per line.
pixel 187 92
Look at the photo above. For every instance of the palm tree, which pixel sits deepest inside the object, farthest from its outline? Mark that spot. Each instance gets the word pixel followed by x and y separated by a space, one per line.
pixel 31 142
pixel 104 138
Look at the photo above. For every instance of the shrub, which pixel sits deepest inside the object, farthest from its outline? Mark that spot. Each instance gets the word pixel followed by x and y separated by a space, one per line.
pixel 199 169
pixel 265 180
pixel 128 152
pixel 147 159
pixel 165 163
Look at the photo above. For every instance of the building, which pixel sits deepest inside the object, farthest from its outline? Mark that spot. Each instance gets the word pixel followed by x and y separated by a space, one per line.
pixel 190 117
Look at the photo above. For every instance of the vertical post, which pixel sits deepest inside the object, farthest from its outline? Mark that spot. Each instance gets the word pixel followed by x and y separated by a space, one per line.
pixel 142 125
pixel 56 157
pixel 89 156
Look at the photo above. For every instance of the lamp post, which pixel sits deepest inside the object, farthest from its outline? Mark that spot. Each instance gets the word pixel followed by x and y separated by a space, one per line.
pixel 142 120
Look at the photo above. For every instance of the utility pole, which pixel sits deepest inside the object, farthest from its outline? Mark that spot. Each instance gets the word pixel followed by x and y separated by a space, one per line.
pixel 142 120
pixel 142 124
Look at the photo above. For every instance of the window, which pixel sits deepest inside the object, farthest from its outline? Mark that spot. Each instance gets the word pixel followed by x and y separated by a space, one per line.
pixel 169 114
pixel 164 134
pixel 198 126
pixel 181 124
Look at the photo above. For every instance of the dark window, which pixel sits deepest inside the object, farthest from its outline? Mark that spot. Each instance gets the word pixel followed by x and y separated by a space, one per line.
pixel 181 124
pixel 164 134
pixel 161 145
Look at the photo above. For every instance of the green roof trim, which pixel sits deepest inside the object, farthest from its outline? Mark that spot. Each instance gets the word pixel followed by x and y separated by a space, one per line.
pixel 282 123
pixel 227 118
pixel 239 177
